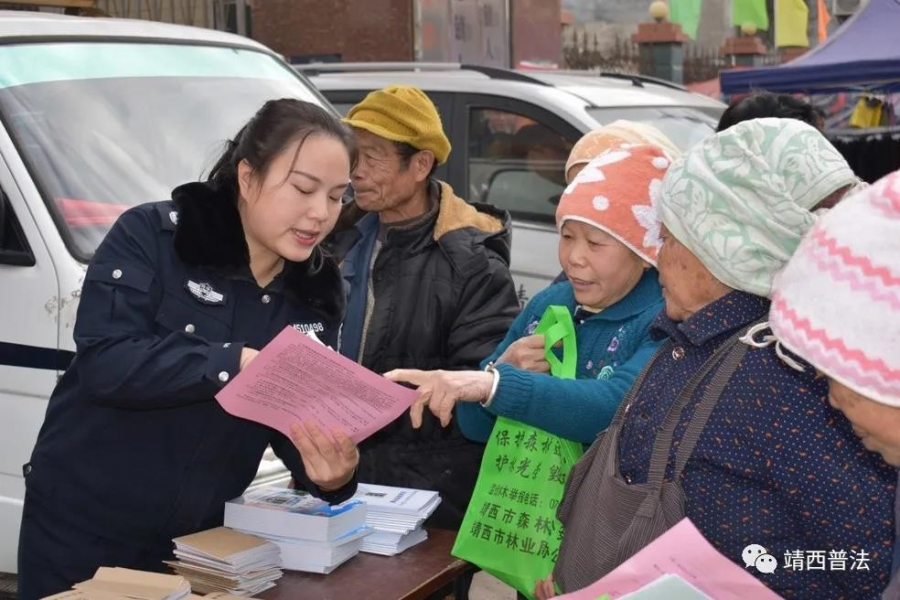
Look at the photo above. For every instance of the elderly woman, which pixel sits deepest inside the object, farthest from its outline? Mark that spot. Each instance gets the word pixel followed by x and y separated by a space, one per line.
pixel 720 431
pixel 607 247
pixel 850 257
pixel 597 141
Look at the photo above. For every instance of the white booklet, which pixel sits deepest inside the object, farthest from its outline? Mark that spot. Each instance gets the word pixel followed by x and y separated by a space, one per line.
pixel 402 501
pixel 389 544
pixel 293 514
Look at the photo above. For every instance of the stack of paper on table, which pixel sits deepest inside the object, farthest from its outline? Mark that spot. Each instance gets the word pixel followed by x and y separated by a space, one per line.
pixel 115 583
pixel 74 594
pixel 391 544
pixel 82 595
pixel 222 560
pixel 319 557
pixel 397 516
pixel 311 535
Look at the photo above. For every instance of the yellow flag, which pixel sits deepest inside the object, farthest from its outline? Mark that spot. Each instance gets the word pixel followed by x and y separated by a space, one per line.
pixel 791 21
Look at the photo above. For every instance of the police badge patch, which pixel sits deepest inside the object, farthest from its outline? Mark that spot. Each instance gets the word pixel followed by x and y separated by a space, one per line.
pixel 205 293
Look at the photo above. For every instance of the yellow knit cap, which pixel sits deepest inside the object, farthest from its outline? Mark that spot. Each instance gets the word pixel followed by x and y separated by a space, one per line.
pixel 402 113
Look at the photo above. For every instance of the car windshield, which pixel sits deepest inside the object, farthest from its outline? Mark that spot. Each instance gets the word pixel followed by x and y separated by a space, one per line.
pixel 685 126
pixel 106 126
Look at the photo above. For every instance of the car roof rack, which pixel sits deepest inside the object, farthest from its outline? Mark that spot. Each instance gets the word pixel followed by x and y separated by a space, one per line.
pixel 504 74
pixel 312 69
pixel 639 80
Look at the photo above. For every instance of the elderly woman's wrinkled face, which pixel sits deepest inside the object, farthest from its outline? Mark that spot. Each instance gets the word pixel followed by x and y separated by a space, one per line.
pixel 687 285
pixel 602 269
pixel 876 424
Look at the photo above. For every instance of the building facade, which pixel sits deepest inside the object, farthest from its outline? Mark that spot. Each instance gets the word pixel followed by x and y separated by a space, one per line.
pixel 500 33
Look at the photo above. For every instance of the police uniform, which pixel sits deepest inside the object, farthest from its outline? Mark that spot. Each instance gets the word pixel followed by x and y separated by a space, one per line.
pixel 134 449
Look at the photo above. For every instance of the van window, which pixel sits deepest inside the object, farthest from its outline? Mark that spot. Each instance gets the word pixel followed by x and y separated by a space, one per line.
pixel 516 163
pixel 685 126
pixel 343 107
pixel 14 248
pixel 107 126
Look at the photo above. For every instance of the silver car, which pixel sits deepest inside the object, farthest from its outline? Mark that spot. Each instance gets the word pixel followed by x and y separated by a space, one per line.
pixel 512 131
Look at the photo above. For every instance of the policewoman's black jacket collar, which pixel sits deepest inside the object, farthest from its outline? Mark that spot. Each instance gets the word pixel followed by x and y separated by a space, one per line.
pixel 209 233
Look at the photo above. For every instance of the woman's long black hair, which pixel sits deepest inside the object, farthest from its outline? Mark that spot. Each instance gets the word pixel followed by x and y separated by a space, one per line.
pixel 277 125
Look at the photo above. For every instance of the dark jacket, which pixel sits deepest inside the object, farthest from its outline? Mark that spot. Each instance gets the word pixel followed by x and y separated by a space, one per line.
pixel 134 446
pixel 775 464
pixel 444 299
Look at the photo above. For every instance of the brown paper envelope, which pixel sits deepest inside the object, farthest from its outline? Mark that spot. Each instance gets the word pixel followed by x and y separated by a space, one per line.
pixel 221 542
pixel 170 583
pixel 68 595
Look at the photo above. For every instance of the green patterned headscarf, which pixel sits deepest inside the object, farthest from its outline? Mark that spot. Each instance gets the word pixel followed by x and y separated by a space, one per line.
pixel 741 200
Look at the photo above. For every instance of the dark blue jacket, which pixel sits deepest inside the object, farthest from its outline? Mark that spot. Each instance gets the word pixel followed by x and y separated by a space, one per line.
pixel 775 464
pixel 134 446
pixel 356 272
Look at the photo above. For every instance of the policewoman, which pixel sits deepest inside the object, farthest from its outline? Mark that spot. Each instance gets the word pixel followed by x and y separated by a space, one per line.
pixel 179 297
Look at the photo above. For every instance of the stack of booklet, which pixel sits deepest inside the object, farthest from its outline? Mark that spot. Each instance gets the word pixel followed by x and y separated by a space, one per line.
pixel 311 535
pixel 397 516
pixel 113 583
pixel 222 560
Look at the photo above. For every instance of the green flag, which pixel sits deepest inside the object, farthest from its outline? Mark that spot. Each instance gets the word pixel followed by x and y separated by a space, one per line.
pixel 687 14
pixel 750 11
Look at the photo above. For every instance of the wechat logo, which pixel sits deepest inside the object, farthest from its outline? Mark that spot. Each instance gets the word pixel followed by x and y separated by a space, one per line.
pixel 756 556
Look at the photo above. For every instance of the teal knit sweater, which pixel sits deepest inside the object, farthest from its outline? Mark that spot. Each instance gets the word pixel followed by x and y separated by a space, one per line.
pixel 613 347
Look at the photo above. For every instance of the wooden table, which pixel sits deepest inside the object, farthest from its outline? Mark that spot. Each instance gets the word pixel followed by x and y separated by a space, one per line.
pixel 413 575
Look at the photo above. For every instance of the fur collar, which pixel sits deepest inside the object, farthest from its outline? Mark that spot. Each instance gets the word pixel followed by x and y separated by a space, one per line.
pixel 209 234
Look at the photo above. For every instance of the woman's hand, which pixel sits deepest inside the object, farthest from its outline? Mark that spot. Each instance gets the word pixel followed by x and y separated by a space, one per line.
pixel 528 354
pixel 329 464
pixel 247 356
pixel 544 589
pixel 441 390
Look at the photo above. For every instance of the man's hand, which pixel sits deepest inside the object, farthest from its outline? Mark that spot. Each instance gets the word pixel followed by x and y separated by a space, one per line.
pixel 528 354
pixel 329 464
pixel 441 390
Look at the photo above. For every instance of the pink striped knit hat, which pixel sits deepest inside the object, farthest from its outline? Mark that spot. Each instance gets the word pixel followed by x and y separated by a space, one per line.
pixel 837 302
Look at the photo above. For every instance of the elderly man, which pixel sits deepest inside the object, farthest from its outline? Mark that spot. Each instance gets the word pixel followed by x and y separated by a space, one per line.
pixel 429 285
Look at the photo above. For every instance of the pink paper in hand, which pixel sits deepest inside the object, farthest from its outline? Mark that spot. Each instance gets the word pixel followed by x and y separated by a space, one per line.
pixel 681 551
pixel 297 379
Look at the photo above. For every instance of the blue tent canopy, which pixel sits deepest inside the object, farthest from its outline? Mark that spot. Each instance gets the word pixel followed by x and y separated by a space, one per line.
pixel 864 54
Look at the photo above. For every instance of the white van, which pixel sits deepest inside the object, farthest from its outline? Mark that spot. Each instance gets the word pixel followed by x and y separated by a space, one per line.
pixel 96 116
